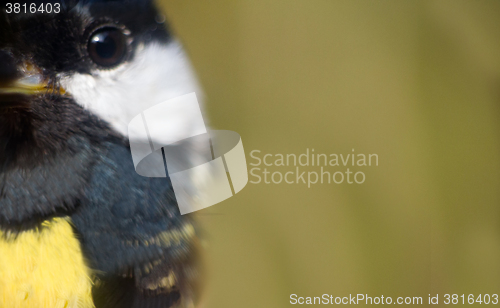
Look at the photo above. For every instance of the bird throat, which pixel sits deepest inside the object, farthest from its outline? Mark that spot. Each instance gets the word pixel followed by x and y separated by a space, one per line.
pixel 53 187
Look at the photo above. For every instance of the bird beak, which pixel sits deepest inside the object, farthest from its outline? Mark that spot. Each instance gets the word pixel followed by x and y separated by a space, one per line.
pixel 30 82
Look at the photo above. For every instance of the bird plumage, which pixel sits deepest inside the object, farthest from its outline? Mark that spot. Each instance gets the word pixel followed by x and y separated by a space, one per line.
pixel 67 181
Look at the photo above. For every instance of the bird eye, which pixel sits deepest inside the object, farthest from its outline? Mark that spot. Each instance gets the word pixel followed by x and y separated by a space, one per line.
pixel 107 46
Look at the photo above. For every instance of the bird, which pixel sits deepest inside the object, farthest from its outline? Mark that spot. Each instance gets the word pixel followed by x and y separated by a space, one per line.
pixel 79 228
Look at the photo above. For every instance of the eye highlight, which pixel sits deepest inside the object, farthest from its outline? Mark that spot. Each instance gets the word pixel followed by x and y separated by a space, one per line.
pixel 107 46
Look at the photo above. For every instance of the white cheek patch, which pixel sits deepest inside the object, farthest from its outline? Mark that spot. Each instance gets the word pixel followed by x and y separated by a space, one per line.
pixel 157 73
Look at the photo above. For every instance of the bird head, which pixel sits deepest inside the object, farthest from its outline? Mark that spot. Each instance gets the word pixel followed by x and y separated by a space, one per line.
pixel 86 67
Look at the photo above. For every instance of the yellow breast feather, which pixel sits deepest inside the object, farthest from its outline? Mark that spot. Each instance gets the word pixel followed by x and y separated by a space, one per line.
pixel 44 268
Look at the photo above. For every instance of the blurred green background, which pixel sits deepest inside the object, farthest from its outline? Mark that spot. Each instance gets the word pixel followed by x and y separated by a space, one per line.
pixel 416 82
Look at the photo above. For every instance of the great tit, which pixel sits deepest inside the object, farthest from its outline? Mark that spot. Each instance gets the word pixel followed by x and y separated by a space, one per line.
pixel 79 228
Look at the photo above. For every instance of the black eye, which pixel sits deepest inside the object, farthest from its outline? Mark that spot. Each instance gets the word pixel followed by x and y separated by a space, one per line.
pixel 107 46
